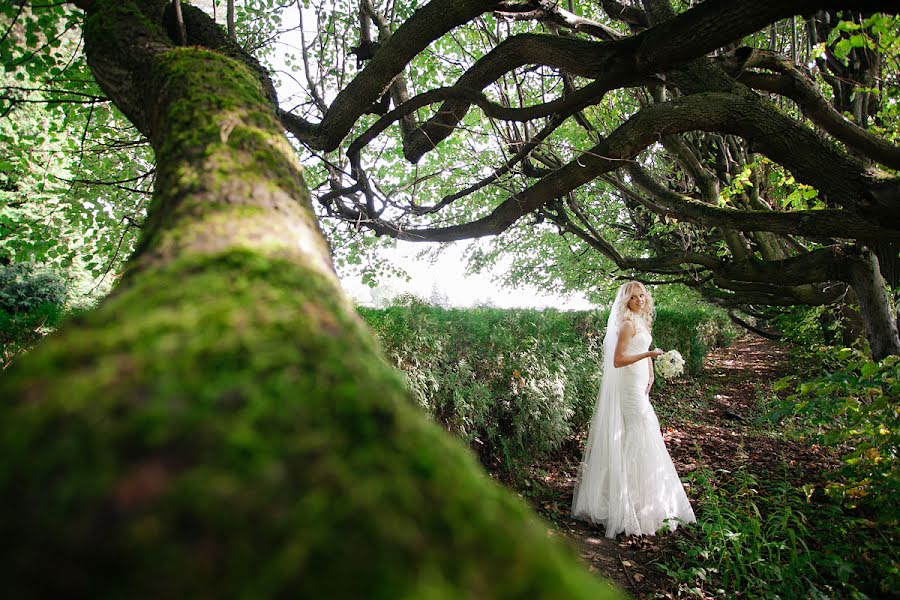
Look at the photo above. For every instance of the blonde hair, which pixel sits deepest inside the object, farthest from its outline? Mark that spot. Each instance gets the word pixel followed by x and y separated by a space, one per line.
pixel 646 314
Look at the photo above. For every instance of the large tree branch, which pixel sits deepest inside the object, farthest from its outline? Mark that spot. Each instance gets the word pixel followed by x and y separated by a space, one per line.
pixel 824 223
pixel 769 335
pixel 843 179
pixel 759 279
pixel 744 294
pixel 793 84
pixel 816 266
pixel 426 25
pixel 634 17
pixel 690 35
pixel 669 263
pixel 550 11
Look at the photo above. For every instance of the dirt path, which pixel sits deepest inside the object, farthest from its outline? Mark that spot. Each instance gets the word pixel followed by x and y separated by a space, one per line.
pixel 712 418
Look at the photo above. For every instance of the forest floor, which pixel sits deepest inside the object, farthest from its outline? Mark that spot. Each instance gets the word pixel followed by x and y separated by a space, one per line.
pixel 712 419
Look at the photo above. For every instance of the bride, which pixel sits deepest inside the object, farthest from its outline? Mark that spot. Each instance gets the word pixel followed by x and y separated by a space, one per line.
pixel 628 482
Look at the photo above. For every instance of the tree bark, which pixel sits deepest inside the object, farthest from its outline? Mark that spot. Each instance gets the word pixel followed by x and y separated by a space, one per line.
pixel 874 304
pixel 223 424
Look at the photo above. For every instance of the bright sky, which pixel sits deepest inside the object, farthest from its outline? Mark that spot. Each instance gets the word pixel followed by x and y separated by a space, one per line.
pixel 447 276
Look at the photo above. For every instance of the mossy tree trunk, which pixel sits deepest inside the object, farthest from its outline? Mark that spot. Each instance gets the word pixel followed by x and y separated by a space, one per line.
pixel 223 425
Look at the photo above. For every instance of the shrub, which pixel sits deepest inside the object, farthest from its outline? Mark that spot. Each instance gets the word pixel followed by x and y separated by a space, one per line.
pixel 511 382
pixel 25 286
pixel 20 331
pixel 31 305
pixel 765 537
pixel 692 331
pixel 854 409
pixel 516 384
pixel 747 541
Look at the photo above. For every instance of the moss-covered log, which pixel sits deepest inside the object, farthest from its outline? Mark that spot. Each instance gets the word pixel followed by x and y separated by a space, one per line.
pixel 223 425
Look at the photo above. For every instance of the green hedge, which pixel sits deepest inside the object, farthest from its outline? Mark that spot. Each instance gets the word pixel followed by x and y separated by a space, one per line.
pixel 32 300
pixel 19 331
pixel 517 383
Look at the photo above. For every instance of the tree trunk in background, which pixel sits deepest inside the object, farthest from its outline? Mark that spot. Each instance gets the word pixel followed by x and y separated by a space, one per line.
pixel 874 304
pixel 223 425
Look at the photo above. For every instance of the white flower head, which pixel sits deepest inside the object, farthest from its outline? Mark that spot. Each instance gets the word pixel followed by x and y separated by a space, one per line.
pixel 669 364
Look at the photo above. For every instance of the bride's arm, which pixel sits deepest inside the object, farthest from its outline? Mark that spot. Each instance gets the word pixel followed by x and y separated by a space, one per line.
pixel 620 359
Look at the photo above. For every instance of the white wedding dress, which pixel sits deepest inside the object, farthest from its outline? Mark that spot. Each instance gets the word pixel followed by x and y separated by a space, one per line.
pixel 628 482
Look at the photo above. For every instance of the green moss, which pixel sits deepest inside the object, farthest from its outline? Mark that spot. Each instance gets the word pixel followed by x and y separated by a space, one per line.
pixel 226 428
pixel 219 145
pixel 120 16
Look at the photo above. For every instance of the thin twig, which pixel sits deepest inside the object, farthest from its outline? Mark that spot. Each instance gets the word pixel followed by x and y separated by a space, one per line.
pixel 627 574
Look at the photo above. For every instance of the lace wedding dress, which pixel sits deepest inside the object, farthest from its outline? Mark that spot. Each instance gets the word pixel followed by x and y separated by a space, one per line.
pixel 628 482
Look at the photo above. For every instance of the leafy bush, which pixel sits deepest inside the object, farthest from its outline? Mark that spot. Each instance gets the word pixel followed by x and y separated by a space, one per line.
pixel 692 331
pixel 516 384
pixel 31 305
pixel 747 541
pixel 768 538
pixel 509 382
pixel 24 287
pixel 854 408
pixel 19 331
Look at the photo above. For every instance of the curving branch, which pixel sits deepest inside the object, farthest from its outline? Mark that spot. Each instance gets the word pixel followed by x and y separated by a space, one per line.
pixel 791 83
pixel 845 180
pixel 550 11
pixel 755 280
pixel 769 335
pixel 671 263
pixel 612 64
pixel 689 35
pixel 825 223
pixel 426 24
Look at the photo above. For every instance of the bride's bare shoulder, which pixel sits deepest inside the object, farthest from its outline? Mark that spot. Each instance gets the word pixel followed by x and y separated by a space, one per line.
pixel 627 326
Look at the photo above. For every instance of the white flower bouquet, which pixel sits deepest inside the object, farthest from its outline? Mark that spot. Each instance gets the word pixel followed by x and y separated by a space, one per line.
pixel 669 364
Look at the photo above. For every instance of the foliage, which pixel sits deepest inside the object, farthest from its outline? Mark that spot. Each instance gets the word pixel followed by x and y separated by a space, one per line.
pixel 850 403
pixel 73 173
pixel 692 330
pixel 35 298
pixel 31 305
pixel 20 331
pixel 765 537
pixel 748 540
pixel 855 408
pixel 23 286
pixel 804 326
pixel 509 382
pixel 517 383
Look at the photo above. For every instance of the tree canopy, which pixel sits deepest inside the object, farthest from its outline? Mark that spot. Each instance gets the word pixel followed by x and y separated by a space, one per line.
pixel 747 151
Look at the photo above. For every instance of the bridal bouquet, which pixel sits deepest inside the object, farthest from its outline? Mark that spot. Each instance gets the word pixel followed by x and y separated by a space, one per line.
pixel 669 364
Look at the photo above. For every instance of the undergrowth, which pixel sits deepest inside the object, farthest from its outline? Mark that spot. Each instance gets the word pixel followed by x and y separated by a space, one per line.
pixel 833 535
pixel 765 537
